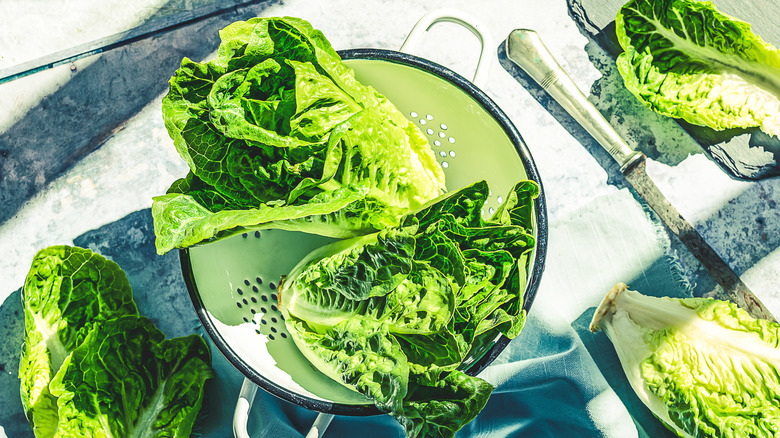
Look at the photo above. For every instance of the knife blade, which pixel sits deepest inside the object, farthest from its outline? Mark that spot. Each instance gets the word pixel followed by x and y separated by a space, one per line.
pixel 525 48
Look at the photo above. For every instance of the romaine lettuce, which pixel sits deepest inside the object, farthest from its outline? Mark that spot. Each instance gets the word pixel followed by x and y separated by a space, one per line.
pixel 394 314
pixel 67 291
pixel 684 59
pixel 91 366
pixel 278 133
pixel 126 381
pixel 702 366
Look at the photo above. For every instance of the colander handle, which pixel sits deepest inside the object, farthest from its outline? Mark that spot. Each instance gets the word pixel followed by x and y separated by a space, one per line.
pixel 455 16
pixel 244 404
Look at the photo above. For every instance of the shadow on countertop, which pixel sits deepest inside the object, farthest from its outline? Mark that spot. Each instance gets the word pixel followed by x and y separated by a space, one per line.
pixel 99 99
pixel 161 295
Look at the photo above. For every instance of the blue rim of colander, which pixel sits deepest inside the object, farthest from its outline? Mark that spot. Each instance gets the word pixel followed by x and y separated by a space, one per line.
pixel 540 250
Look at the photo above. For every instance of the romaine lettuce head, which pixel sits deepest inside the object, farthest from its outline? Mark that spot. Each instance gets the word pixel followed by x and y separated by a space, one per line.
pixel 703 366
pixel 67 291
pixel 277 132
pixel 394 314
pixel 684 59
pixel 126 380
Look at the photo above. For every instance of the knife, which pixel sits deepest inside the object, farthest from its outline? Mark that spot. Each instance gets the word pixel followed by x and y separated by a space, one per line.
pixel 525 48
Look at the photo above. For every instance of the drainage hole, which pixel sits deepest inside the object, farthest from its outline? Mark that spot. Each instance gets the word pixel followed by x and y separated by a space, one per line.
pixel 259 280
pixel 273 319
pixel 270 336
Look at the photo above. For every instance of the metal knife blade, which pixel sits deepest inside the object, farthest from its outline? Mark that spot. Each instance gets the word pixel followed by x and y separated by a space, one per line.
pixel 525 48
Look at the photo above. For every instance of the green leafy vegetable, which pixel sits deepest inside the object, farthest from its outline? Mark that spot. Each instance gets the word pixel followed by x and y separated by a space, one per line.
pixel 702 366
pixel 127 380
pixel 394 314
pixel 684 59
pixel 91 366
pixel 278 133
pixel 66 292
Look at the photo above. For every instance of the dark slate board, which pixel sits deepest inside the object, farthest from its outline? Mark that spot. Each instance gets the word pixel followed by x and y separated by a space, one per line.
pixel 743 153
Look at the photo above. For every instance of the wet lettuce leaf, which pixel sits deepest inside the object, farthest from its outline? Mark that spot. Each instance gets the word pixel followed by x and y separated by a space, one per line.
pixel 685 59
pixel 394 314
pixel 278 133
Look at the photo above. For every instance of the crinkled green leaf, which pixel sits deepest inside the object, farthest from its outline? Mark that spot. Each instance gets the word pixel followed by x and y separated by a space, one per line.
pixel 703 366
pixel 277 122
pixel 452 282
pixel 66 292
pixel 127 380
pixel 359 353
pixel 439 410
pixel 685 59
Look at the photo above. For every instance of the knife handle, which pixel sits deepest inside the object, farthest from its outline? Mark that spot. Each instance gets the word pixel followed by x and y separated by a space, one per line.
pixel 526 49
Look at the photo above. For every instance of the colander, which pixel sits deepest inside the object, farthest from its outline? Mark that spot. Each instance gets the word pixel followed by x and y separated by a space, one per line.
pixel 233 282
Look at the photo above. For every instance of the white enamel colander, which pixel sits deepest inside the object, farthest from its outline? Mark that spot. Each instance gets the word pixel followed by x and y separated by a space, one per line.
pixel 232 282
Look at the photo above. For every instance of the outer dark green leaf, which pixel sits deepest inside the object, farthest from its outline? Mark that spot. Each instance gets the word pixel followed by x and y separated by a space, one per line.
pixel 438 411
pixel 127 380
pixel 66 292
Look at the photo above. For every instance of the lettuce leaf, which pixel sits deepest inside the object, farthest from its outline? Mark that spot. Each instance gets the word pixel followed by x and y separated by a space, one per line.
pixel 685 59
pixel 702 366
pixel 278 133
pixel 127 380
pixel 394 314
pixel 91 366
pixel 67 291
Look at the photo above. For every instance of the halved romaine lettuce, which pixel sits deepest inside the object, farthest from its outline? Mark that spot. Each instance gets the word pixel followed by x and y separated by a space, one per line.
pixel 704 367
pixel 684 59
pixel 91 366
pixel 67 291
pixel 394 314
pixel 277 132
